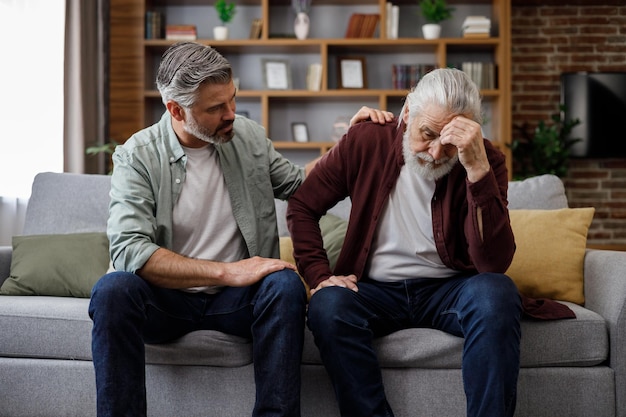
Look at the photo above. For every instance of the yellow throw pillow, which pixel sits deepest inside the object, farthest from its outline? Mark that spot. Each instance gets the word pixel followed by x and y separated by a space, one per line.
pixel 286 249
pixel 548 262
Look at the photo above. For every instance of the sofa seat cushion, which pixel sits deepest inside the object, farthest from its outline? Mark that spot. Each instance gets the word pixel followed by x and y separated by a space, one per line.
pixel 60 328
pixel 576 342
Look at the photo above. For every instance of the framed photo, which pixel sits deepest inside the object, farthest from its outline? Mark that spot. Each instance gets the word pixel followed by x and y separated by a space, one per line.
pixel 276 74
pixel 351 72
pixel 300 132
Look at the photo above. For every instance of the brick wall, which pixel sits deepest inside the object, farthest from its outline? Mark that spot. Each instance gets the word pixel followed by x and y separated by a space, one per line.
pixel 547 41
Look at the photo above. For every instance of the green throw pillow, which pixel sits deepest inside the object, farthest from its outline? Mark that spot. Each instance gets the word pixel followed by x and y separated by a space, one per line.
pixel 333 230
pixel 65 265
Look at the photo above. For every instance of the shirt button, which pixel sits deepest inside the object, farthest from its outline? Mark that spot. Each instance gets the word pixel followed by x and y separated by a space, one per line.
pixel 171 159
pixel 177 180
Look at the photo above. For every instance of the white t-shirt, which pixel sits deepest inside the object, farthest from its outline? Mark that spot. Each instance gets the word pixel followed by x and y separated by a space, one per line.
pixel 404 246
pixel 203 223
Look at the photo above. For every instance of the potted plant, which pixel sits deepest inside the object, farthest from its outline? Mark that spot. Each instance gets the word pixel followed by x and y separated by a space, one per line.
pixel 434 11
pixel 225 12
pixel 546 150
pixel 107 149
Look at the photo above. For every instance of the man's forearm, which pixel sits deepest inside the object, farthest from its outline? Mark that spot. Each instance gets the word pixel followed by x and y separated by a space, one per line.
pixel 170 270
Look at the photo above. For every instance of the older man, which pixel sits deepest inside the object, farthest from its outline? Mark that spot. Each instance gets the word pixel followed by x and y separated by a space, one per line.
pixel 427 245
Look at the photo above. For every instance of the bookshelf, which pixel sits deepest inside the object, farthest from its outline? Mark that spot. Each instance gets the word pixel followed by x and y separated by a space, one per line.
pixel 135 102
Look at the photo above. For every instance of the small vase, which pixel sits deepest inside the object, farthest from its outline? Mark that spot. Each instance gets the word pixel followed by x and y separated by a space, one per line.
pixel 431 31
pixel 220 33
pixel 301 25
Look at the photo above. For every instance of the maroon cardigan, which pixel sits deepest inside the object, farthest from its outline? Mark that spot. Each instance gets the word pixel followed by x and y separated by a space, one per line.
pixel 365 166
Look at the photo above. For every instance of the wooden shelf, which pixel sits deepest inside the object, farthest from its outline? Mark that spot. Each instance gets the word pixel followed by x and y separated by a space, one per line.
pixel 135 103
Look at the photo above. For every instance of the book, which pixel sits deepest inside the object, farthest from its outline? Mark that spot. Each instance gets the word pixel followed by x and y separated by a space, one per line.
pixel 314 77
pixel 354 25
pixel 475 35
pixel 483 74
pixel 405 77
pixel 255 28
pixel 362 25
pixel 392 30
pixel 154 25
pixel 181 32
pixel 370 24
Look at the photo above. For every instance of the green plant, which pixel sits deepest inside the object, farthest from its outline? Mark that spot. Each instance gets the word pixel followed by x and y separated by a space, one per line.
pixel 547 149
pixel 225 11
pixel 108 149
pixel 435 11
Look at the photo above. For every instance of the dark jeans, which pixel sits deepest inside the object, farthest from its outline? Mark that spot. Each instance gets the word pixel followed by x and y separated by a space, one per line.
pixel 128 312
pixel 485 309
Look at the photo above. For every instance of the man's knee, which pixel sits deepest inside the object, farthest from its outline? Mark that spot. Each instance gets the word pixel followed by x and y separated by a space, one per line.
pixel 327 306
pixel 114 289
pixel 497 298
pixel 285 283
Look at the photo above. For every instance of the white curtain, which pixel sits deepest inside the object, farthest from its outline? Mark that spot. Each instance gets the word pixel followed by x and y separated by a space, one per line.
pixel 12 211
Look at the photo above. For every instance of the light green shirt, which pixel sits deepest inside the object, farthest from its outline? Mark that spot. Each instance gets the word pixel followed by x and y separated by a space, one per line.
pixel 148 174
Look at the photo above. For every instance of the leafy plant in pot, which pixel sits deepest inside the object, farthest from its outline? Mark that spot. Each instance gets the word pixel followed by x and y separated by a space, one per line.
pixel 435 12
pixel 225 12
pixel 107 149
pixel 546 150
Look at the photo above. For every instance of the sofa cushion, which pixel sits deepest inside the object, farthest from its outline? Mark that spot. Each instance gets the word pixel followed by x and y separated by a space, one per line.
pixel 65 265
pixel 578 342
pixel 67 203
pixel 60 328
pixel 548 261
pixel 333 229
pixel 544 192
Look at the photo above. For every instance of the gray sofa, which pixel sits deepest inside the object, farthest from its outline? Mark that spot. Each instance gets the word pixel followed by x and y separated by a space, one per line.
pixel 569 367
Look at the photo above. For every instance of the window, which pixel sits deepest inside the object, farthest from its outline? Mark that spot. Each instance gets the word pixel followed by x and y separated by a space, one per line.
pixel 31 85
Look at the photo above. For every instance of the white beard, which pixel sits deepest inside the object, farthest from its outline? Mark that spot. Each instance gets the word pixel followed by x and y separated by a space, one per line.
pixel 423 164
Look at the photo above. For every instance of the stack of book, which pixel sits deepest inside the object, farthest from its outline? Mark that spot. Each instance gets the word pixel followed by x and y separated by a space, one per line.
pixel 362 25
pixel 404 77
pixel 154 25
pixel 181 32
pixel 393 15
pixel 476 27
pixel 482 73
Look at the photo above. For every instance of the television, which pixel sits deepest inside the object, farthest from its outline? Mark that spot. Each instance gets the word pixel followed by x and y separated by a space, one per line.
pixel 598 100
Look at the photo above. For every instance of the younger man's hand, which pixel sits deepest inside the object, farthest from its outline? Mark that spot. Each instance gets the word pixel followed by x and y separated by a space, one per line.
pixel 377 116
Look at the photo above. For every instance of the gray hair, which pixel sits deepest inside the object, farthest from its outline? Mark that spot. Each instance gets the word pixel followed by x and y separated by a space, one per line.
pixel 448 88
pixel 187 65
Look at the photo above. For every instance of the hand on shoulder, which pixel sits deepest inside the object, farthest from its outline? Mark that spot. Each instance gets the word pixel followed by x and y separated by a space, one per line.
pixel 375 115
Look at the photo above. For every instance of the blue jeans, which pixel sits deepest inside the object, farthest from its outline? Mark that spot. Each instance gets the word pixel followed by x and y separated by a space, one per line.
pixel 128 312
pixel 485 309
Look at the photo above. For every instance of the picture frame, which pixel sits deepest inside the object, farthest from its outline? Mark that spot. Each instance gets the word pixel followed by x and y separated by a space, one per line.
pixel 300 132
pixel 351 72
pixel 276 74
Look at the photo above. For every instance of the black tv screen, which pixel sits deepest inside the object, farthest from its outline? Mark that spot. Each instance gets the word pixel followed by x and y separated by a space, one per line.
pixel 598 100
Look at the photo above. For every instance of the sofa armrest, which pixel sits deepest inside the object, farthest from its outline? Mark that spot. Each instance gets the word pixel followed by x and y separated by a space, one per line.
pixel 605 293
pixel 5 262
